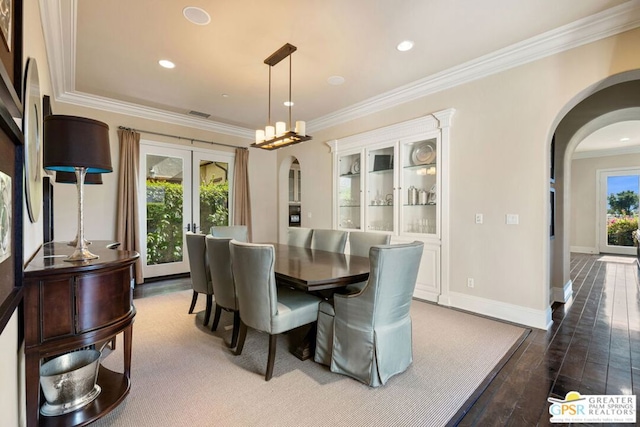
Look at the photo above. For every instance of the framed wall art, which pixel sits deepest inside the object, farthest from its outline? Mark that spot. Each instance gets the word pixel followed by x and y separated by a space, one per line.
pixel 11 159
pixel 11 55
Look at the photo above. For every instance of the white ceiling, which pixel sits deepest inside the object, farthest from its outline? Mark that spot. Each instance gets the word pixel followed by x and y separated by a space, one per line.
pixel 615 138
pixel 108 56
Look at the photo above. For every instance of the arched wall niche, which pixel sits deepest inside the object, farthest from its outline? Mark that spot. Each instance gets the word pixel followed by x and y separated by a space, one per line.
pixel 283 196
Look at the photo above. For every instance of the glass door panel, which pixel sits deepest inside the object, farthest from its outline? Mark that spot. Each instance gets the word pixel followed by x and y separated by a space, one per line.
pixel 349 192
pixel 420 189
pixel 211 194
pixel 619 208
pixel 165 209
pixel 380 189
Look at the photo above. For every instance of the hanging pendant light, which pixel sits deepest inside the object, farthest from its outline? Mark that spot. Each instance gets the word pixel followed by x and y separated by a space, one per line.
pixel 282 134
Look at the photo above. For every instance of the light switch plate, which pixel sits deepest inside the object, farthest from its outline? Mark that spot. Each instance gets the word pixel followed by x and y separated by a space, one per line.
pixel 479 218
pixel 513 219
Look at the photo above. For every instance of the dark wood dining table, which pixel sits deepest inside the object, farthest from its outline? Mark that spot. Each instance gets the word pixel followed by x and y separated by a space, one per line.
pixel 314 270
pixel 319 272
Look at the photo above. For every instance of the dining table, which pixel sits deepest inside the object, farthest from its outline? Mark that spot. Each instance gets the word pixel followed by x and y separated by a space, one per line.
pixel 313 270
pixel 321 273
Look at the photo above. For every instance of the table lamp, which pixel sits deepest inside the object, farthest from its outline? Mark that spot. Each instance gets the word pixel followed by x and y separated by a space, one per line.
pixel 78 145
pixel 70 178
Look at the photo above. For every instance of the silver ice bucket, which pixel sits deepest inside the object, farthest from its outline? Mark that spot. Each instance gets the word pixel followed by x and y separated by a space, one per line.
pixel 69 381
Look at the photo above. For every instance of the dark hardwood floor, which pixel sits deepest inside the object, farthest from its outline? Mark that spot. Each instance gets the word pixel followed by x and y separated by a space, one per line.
pixel 593 346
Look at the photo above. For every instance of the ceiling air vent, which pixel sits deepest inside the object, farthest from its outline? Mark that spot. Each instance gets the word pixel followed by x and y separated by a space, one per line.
pixel 199 114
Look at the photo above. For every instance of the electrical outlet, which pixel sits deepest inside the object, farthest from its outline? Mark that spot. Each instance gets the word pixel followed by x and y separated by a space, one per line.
pixel 479 218
pixel 470 283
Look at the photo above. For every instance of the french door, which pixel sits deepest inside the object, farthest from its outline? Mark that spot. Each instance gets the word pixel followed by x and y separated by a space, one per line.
pixel 180 190
pixel 618 210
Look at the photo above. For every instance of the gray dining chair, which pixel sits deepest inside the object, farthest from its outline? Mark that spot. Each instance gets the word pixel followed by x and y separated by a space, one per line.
pixel 361 242
pixel 329 240
pixel 237 232
pixel 367 335
pixel 298 236
pixel 224 287
pixel 200 275
pixel 263 305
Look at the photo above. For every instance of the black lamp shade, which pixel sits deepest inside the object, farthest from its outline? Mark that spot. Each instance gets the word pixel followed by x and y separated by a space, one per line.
pixel 70 178
pixel 71 142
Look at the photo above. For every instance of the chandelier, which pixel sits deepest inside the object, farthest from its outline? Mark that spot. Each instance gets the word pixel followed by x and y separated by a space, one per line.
pixel 282 134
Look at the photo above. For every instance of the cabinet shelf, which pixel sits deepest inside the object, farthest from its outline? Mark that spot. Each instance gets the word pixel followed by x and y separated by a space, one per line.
pixel 349 206
pixel 414 167
pixel 350 175
pixel 426 204
pixel 115 386
pixel 381 171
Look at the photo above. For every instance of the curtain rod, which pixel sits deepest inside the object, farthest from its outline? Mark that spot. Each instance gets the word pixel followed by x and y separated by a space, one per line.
pixel 178 137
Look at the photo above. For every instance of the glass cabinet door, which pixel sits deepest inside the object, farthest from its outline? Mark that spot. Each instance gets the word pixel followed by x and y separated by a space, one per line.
pixel 349 192
pixel 380 189
pixel 419 187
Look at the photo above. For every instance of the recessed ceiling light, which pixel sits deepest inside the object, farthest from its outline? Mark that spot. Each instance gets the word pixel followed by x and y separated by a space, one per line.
pixel 196 15
pixel 335 80
pixel 166 63
pixel 405 45
pixel 288 103
pixel 225 95
pixel 624 139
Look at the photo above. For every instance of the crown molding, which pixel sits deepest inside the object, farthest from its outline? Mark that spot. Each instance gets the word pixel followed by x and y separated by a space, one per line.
pixel 135 110
pixel 605 24
pixel 577 155
pixel 59 27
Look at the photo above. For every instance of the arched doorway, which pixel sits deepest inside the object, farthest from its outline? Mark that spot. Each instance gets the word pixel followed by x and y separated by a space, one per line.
pixel 613 100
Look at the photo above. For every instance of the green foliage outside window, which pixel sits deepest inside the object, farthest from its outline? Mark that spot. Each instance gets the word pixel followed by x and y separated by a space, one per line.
pixel 620 231
pixel 164 217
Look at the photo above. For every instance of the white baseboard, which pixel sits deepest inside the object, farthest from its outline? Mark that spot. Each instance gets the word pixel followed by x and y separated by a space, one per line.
pixel 425 295
pixel 584 250
pixel 540 319
pixel 564 293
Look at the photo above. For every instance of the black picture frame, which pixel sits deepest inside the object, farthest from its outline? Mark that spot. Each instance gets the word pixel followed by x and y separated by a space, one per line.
pixel 552 212
pixel 12 163
pixel 552 160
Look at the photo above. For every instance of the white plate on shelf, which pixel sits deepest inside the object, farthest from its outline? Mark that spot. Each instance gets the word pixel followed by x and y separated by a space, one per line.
pixel 423 153
pixel 355 166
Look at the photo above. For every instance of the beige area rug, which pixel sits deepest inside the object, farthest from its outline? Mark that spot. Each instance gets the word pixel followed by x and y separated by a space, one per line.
pixel 183 374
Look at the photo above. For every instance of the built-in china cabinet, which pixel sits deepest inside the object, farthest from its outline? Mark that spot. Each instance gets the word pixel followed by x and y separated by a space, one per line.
pixel 395 180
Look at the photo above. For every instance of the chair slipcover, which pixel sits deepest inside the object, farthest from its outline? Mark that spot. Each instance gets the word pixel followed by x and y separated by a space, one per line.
pixel 329 240
pixel 367 335
pixel 237 232
pixel 264 306
pixel 224 288
pixel 359 244
pixel 300 237
pixel 200 274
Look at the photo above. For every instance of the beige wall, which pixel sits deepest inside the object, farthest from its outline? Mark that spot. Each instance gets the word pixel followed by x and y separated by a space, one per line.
pixel 499 164
pixel 584 193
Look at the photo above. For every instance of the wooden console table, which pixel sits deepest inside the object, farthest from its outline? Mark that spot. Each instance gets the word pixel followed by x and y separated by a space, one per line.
pixel 72 305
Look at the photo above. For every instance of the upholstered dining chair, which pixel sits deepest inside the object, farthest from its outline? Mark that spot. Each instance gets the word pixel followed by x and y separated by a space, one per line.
pixel 367 335
pixel 264 306
pixel 298 236
pixel 224 287
pixel 237 232
pixel 200 275
pixel 329 240
pixel 359 244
